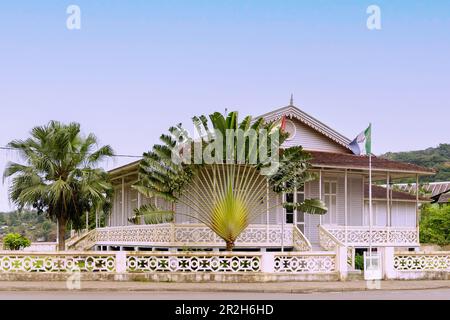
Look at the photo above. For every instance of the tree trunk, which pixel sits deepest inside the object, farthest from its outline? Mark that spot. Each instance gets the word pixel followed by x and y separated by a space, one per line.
pixel 230 245
pixel 61 234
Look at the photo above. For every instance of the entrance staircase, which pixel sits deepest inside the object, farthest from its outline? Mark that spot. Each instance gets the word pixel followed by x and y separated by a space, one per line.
pixel 82 242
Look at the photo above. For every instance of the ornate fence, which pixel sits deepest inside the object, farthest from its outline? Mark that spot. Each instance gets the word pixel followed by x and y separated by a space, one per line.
pixel 52 262
pixel 167 262
pixel 438 261
pixel 153 262
pixel 396 265
pixel 305 263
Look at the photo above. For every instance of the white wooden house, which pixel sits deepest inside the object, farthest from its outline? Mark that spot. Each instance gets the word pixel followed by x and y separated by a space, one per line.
pixel 341 184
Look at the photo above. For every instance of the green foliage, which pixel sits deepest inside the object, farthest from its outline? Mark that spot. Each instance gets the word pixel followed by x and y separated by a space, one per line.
pixel 359 262
pixel 228 194
pixel 59 175
pixel 435 224
pixel 32 225
pixel 437 158
pixel 293 170
pixel 15 241
pixel 312 206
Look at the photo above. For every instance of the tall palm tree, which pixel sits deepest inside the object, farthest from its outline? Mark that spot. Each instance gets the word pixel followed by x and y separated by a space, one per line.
pixel 60 175
pixel 227 195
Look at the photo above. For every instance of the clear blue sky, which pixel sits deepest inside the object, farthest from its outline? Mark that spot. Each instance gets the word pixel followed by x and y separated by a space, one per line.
pixel 137 67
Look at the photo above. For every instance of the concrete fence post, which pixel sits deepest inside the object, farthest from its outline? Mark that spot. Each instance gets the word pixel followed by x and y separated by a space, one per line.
pixel 121 262
pixel 268 262
pixel 341 262
pixel 388 263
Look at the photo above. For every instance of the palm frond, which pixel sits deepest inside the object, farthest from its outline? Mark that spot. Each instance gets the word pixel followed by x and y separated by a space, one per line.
pixel 151 215
pixel 311 206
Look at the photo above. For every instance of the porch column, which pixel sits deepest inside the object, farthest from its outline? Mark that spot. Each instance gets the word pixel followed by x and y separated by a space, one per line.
pixel 363 201
pixel 283 220
pixel 417 207
pixel 320 192
pixel 123 201
pixel 388 205
pixel 388 201
pixel 139 204
pixel 346 205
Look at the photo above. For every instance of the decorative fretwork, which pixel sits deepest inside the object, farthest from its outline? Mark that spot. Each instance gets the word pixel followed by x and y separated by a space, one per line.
pixel 422 262
pixel 193 235
pixel 301 243
pixel 327 240
pixel 193 263
pixel 305 263
pixel 57 263
pixel 136 234
pixel 381 236
pixel 84 242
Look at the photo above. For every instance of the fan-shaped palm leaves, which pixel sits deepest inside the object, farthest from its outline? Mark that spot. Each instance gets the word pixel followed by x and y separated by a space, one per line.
pixel 228 194
pixel 60 176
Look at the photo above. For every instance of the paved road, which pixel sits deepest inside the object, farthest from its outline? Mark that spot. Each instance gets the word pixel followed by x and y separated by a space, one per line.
pixel 435 294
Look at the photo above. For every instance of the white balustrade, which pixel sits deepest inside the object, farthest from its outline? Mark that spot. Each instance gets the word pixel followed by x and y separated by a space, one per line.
pixel 301 243
pixel 305 262
pixel 53 262
pixel 198 262
pixel 327 240
pixel 412 261
pixel 192 235
pixel 381 236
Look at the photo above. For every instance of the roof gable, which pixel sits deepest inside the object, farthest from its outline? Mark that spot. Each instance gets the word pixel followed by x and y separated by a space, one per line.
pixel 293 112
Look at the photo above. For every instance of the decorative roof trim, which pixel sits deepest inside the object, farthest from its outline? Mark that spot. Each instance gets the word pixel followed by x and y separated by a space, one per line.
pixel 294 112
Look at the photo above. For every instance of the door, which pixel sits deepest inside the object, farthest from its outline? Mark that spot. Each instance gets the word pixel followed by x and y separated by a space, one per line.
pixel 295 217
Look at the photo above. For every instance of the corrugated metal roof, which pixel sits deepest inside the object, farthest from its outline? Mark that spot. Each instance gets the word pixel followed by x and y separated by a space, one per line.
pixel 434 188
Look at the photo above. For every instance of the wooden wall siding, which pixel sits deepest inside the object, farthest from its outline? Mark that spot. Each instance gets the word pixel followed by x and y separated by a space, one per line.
pixel 403 214
pixel 130 196
pixel 310 139
pixel 379 213
pixel 355 203
pixel 312 221
pixel 340 218
pixel 276 214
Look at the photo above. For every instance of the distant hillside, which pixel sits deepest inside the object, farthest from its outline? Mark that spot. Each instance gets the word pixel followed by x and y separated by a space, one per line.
pixel 30 224
pixel 437 158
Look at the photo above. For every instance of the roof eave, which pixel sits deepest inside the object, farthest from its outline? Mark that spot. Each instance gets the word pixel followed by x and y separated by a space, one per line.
pixel 292 111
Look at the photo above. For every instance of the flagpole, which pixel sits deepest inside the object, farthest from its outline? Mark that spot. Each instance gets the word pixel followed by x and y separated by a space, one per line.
pixel 370 199
pixel 370 204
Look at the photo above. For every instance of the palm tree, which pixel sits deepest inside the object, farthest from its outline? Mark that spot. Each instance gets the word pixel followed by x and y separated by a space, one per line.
pixel 60 177
pixel 226 195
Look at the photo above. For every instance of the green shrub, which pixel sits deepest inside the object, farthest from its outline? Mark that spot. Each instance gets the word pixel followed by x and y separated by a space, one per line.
pixel 359 262
pixel 435 224
pixel 15 241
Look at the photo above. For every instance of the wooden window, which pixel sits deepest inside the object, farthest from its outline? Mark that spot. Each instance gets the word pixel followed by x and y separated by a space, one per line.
pixel 295 216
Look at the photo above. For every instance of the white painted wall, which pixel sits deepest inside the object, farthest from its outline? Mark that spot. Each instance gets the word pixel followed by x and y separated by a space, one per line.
pixel 312 221
pixel 355 201
pixel 310 139
pixel 403 214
